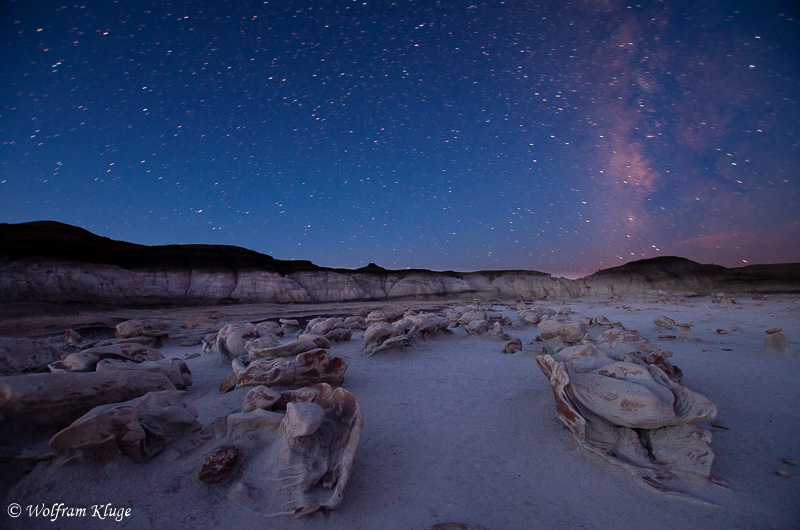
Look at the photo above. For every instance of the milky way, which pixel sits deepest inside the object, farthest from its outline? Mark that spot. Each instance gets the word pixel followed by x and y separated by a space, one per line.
pixel 555 136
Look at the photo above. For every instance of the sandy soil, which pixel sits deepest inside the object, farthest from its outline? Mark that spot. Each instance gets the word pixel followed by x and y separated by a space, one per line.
pixel 458 431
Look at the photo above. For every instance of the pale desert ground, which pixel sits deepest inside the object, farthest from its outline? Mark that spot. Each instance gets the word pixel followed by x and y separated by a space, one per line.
pixel 457 431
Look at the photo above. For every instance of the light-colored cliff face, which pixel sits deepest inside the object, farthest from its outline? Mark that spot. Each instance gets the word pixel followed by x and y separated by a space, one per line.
pixel 66 281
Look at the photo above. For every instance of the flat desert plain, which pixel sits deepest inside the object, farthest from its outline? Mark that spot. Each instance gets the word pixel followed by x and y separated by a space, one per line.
pixel 456 431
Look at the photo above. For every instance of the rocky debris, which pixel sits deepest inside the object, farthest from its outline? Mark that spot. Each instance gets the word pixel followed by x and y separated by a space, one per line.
pixel 24 355
pixel 427 324
pixel 301 419
pixel 275 328
pixel 356 323
pixel 569 332
pixel 775 343
pixel 57 399
pixel 381 336
pixel 721 331
pixel 232 339
pixel 615 398
pixel 664 322
pixel 86 360
pixel 783 474
pixel 260 397
pixel 386 314
pixel 602 321
pixel 137 429
pixel 513 346
pixel 210 343
pixel 319 340
pixel 287 323
pixel 299 454
pixel 219 464
pixel 262 343
pixel 176 370
pixel 534 315
pixel 789 461
pixel 719 424
pixel 148 328
pixel 629 346
pixel 73 339
pixel 307 368
pixel 685 332
pixel 497 331
pixel 476 321
pixel 289 349
pixel 333 328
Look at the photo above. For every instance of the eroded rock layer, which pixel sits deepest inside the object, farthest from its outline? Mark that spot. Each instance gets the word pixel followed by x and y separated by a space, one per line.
pixel 53 262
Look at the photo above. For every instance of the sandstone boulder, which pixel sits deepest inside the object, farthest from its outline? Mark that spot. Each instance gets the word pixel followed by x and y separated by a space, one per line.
pixel 57 399
pixel 232 339
pixel 137 429
pixel 299 455
pixel 148 327
pixel 569 332
pixel 620 403
pixel 307 368
pixel 176 370
pixel 25 355
pixel 86 360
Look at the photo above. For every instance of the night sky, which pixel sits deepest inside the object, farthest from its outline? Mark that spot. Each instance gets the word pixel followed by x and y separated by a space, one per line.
pixel 557 136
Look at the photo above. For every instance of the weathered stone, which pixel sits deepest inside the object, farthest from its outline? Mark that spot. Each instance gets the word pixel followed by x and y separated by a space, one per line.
pixel 513 346
pixel 302 419
pixel 570 332
pixel 323 326
pixel 664 322
pixel 86 360
pixel 684 331
pixel 319 340
pixel 260 397
pixel 288 323
pixel 262 343
pixel 534 315
pixel 138 429
pixel 25 355
pixel 310 367
pixel 176 370
pixel 339 334
pixel 775 343
pixel 386 314
pixel 148 327
pixel 620 403
pixel 719 424
pixel 284 350
pixel 218 464
pixel 57 399
pixel 356 323
pixel 303 459
pixel 73 338
pixel 232 339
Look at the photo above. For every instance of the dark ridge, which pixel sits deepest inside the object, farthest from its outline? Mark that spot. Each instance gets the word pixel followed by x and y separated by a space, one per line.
pixel 54 241
pixel 50 240
pixel 674 266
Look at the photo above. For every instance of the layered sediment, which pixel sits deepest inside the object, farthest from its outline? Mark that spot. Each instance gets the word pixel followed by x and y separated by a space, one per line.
pixel 52 262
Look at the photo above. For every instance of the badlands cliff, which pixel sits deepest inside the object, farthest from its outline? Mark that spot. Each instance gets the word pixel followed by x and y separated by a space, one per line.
pixel 53 262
